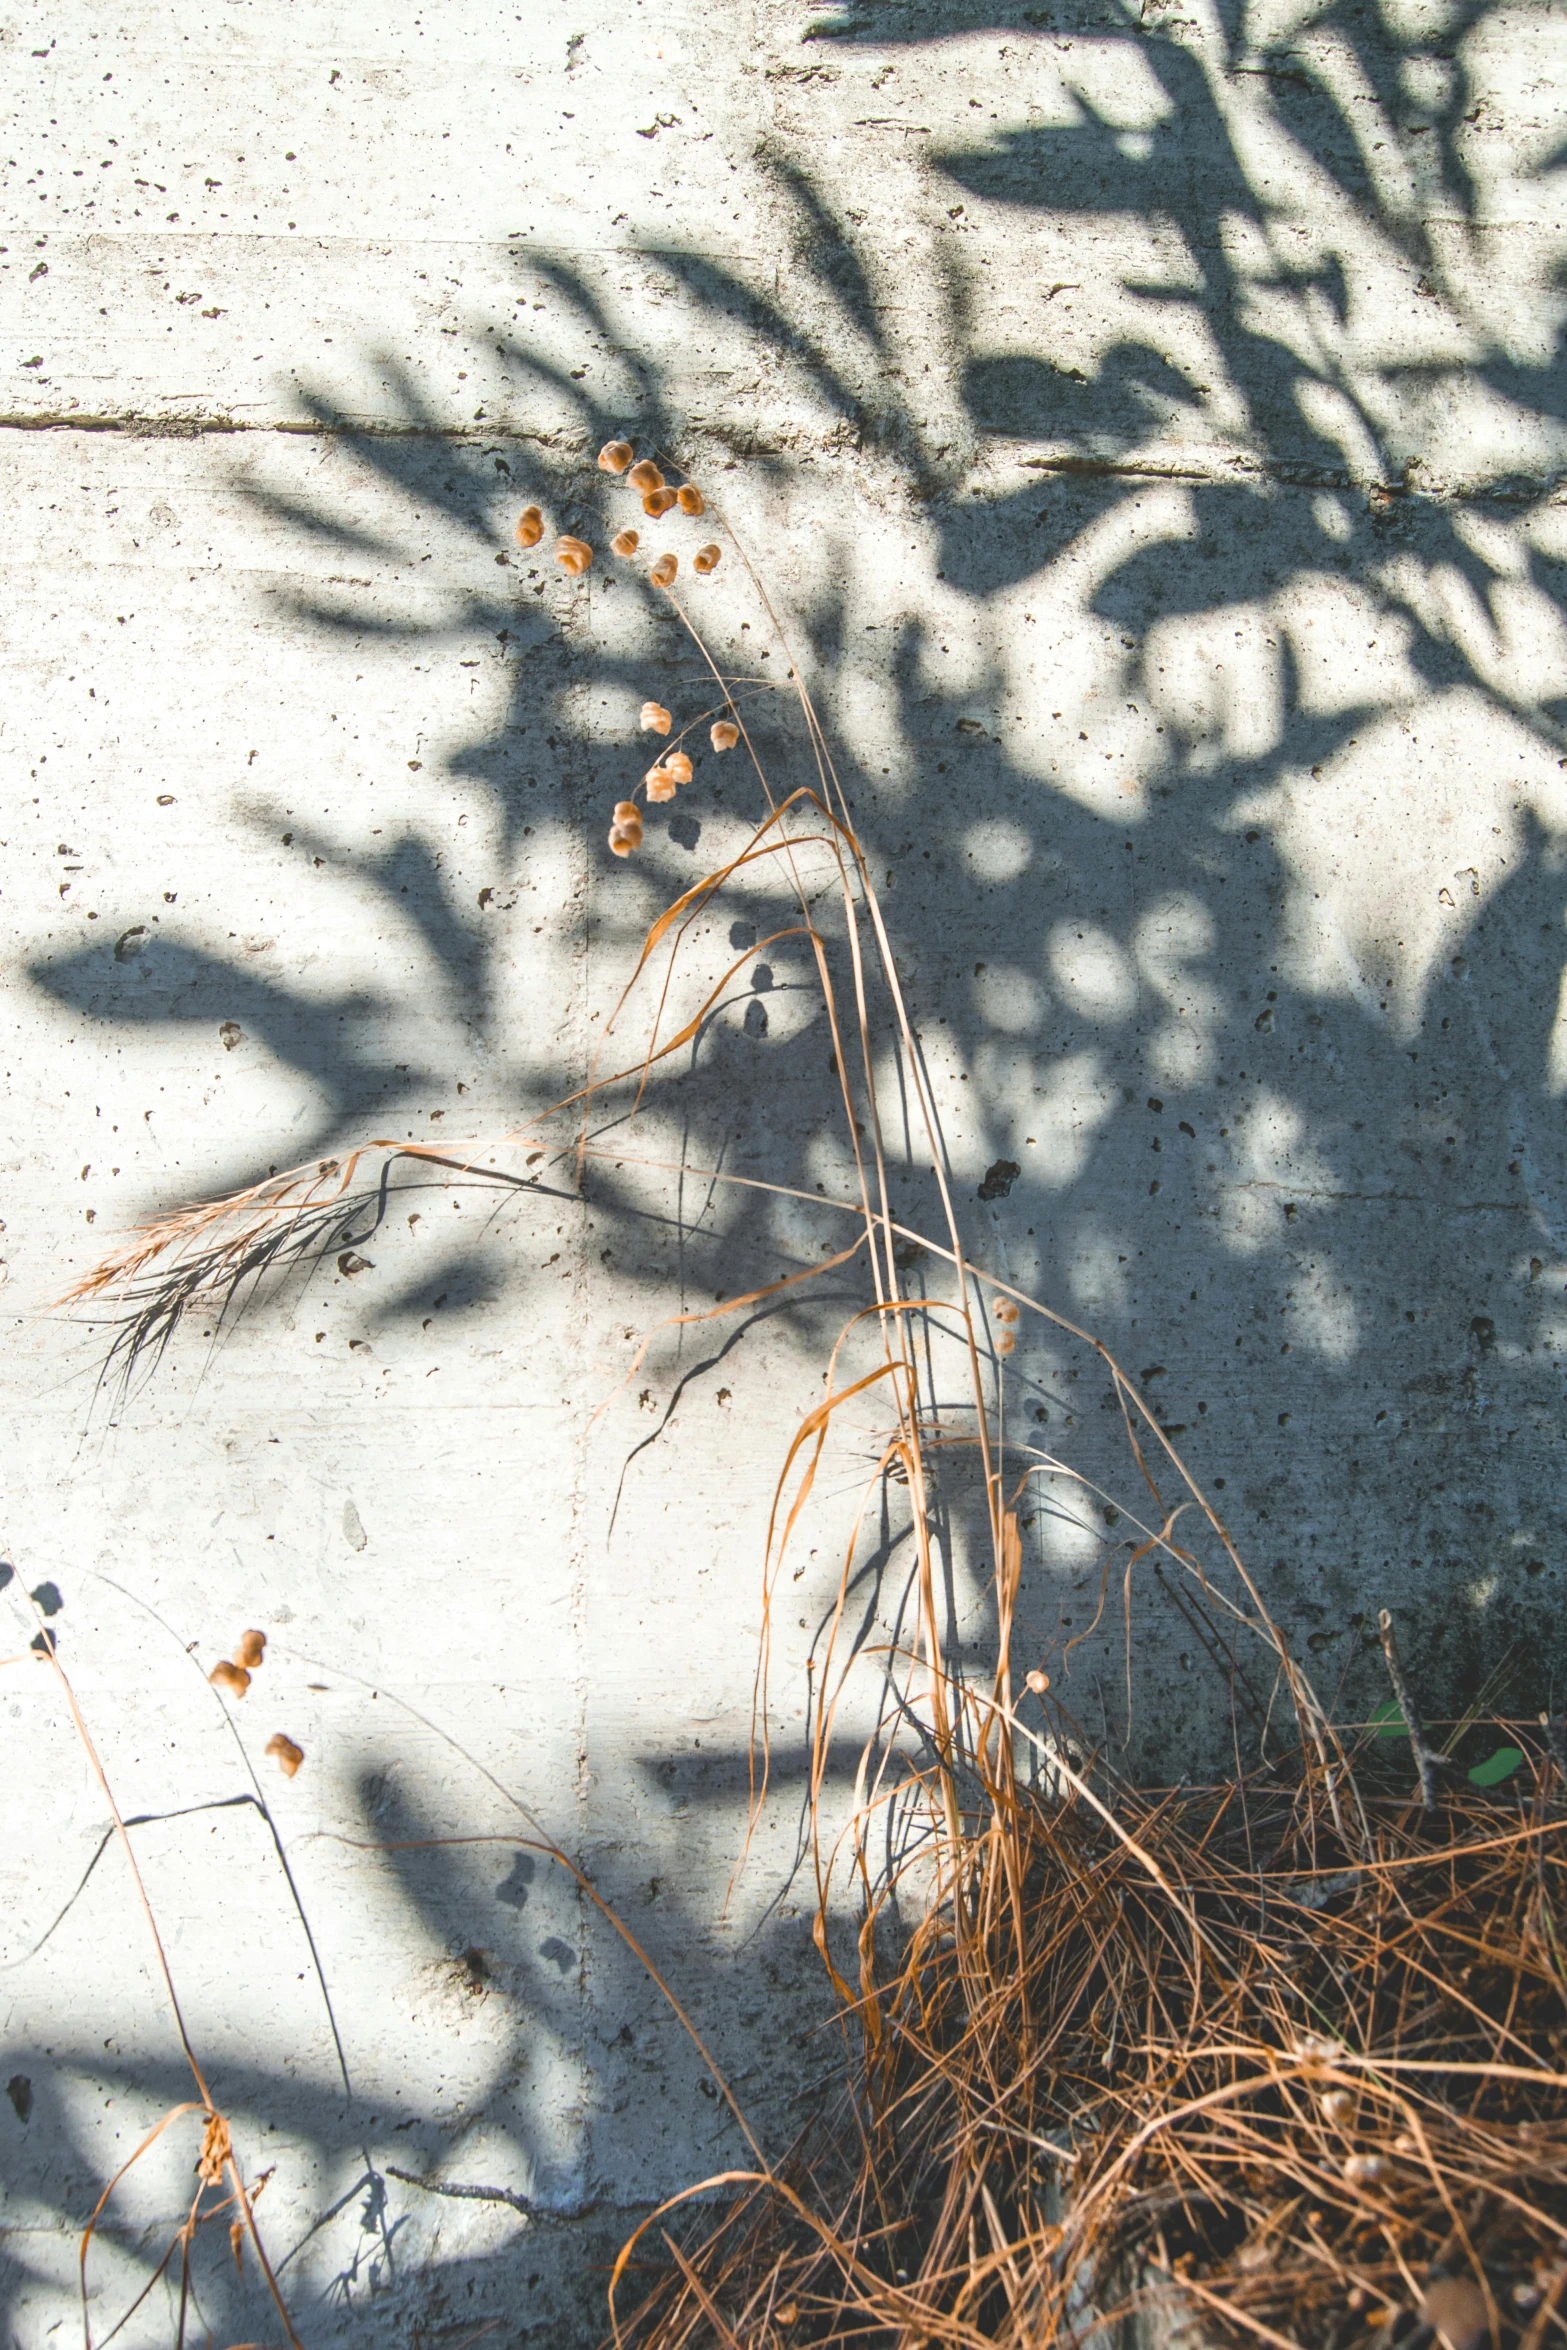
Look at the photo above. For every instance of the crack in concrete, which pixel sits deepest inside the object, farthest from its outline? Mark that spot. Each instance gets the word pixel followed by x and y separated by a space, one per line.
pixel 182 428
pixel 1515 489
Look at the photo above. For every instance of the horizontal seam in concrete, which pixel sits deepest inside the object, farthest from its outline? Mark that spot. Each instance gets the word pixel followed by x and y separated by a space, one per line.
pixel 1293 476
pixel 176 428
pixel 1515 489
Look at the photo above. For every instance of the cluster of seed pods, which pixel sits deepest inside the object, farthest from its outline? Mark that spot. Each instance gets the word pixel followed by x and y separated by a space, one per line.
pixel 575 557
pixel 659 498
pixel 664 778
pixel 1006 1333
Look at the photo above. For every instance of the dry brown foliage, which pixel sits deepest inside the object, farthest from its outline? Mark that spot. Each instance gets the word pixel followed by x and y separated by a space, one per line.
pixel 1181 2053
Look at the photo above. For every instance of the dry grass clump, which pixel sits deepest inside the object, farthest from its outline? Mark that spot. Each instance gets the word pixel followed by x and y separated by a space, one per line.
pixel 1182 2053
pixel 1287 2049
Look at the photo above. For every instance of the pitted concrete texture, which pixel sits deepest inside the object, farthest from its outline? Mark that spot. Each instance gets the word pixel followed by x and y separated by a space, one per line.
pixel 1151 425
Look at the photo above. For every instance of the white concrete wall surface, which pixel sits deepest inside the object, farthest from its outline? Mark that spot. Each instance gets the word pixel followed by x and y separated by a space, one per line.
pixel 1151 425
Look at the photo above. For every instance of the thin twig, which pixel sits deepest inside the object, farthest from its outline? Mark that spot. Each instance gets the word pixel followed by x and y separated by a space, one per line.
pixel 1427 1760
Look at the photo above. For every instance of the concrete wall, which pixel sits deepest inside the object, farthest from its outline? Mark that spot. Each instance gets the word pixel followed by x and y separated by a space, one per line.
pixel 1152 425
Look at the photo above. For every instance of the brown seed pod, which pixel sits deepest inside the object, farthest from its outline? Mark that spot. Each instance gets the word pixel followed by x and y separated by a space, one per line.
pixel 660 784
pixel 530 527
pixel 655 716
pixel 645 476
pixel 252 1649
pixel 692 500
pixel 1037 1681
pixel 1005 1343
pixel 658 502
pixel 725 734
pixel 707 559
pixel 1006 1311
pixel 289 1756
pixel 232 1677
pixel 615 456
pixel 623 843
pixel 663 572
pixel 678 765
pixel 626 542
pixel 627 812
pixel 573 555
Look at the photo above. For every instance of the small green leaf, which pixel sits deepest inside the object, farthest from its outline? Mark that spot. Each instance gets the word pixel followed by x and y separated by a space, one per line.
pixel 1387 1721
pixel 1501 1765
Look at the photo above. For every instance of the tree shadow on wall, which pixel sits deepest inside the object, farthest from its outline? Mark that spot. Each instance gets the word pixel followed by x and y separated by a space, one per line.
pixel 1304 1284
pixel 1295 1242
pixel 1301 1164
